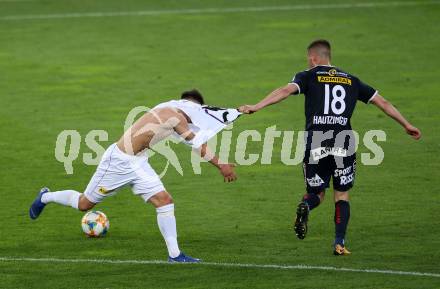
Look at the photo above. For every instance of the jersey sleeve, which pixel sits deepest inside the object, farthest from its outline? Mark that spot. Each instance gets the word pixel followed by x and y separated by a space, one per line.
pixel 300 80
pixel 366 92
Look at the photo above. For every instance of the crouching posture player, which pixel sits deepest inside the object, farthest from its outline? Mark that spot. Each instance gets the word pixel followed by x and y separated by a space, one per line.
pixel 330 99
pixel 124 163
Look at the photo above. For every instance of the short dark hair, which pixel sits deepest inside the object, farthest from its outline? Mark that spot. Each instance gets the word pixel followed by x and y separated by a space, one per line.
pixel 322 46
pixel 193 94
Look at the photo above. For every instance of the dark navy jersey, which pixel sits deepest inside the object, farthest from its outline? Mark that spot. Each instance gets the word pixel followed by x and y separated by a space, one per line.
pixel 330 97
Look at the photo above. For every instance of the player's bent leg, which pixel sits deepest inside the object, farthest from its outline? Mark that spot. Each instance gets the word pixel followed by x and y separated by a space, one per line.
pixel 309 202
pixel 44 197
pixel 313 200
pixel 84 204
pixel 167 226
pixel 317 178
pixel 342 216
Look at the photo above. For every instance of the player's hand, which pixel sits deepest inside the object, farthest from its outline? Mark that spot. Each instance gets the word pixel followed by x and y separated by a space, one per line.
pixel 413 132
pixel 247 109
pixel 227 171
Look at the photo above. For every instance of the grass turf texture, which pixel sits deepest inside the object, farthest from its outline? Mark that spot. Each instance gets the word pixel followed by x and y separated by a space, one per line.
pixel 87 73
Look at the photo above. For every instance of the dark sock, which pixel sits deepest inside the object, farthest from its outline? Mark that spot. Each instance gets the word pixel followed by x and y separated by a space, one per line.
pixel 312 200
pixel 342 215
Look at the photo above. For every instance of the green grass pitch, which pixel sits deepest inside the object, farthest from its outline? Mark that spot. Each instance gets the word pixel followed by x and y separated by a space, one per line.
pixel 86 73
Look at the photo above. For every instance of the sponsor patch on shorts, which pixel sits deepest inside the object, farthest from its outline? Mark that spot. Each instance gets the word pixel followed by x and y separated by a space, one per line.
pixel 316 181
pixel 103 190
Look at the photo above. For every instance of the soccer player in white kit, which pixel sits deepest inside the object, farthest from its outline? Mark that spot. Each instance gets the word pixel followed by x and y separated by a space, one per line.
pixel 123 163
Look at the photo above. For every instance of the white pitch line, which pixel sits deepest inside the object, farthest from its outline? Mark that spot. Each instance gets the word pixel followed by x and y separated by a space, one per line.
pixel 219 10
pixel 7 1
pixel 216 264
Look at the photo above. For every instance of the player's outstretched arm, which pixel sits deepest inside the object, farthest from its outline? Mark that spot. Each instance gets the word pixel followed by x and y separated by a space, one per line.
pixel 274 97
pixel 392 112
pixel 227 170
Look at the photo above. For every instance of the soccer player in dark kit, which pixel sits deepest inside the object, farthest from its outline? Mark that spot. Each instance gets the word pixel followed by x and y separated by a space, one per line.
pixel 330 99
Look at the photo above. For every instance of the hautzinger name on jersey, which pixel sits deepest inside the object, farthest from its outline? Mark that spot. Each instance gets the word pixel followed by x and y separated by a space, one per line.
pixel 329 119
pixel 334 79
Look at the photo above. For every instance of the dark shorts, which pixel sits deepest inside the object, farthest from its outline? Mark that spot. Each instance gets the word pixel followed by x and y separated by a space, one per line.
pixel 317 174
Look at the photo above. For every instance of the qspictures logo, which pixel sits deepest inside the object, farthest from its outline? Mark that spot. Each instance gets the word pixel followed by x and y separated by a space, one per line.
pixel 230 145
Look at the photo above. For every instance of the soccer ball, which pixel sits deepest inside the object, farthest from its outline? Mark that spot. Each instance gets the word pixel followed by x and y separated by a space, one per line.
pixel 95 224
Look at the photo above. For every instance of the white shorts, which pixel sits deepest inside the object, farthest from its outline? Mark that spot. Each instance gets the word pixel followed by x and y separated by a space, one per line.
pixel 118 169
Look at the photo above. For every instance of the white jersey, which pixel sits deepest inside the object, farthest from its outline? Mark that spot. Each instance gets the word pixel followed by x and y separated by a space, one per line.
pixel 206 121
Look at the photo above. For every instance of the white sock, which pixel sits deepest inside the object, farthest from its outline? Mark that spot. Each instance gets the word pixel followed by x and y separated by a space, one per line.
pixel 167 226
pixel 66 198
